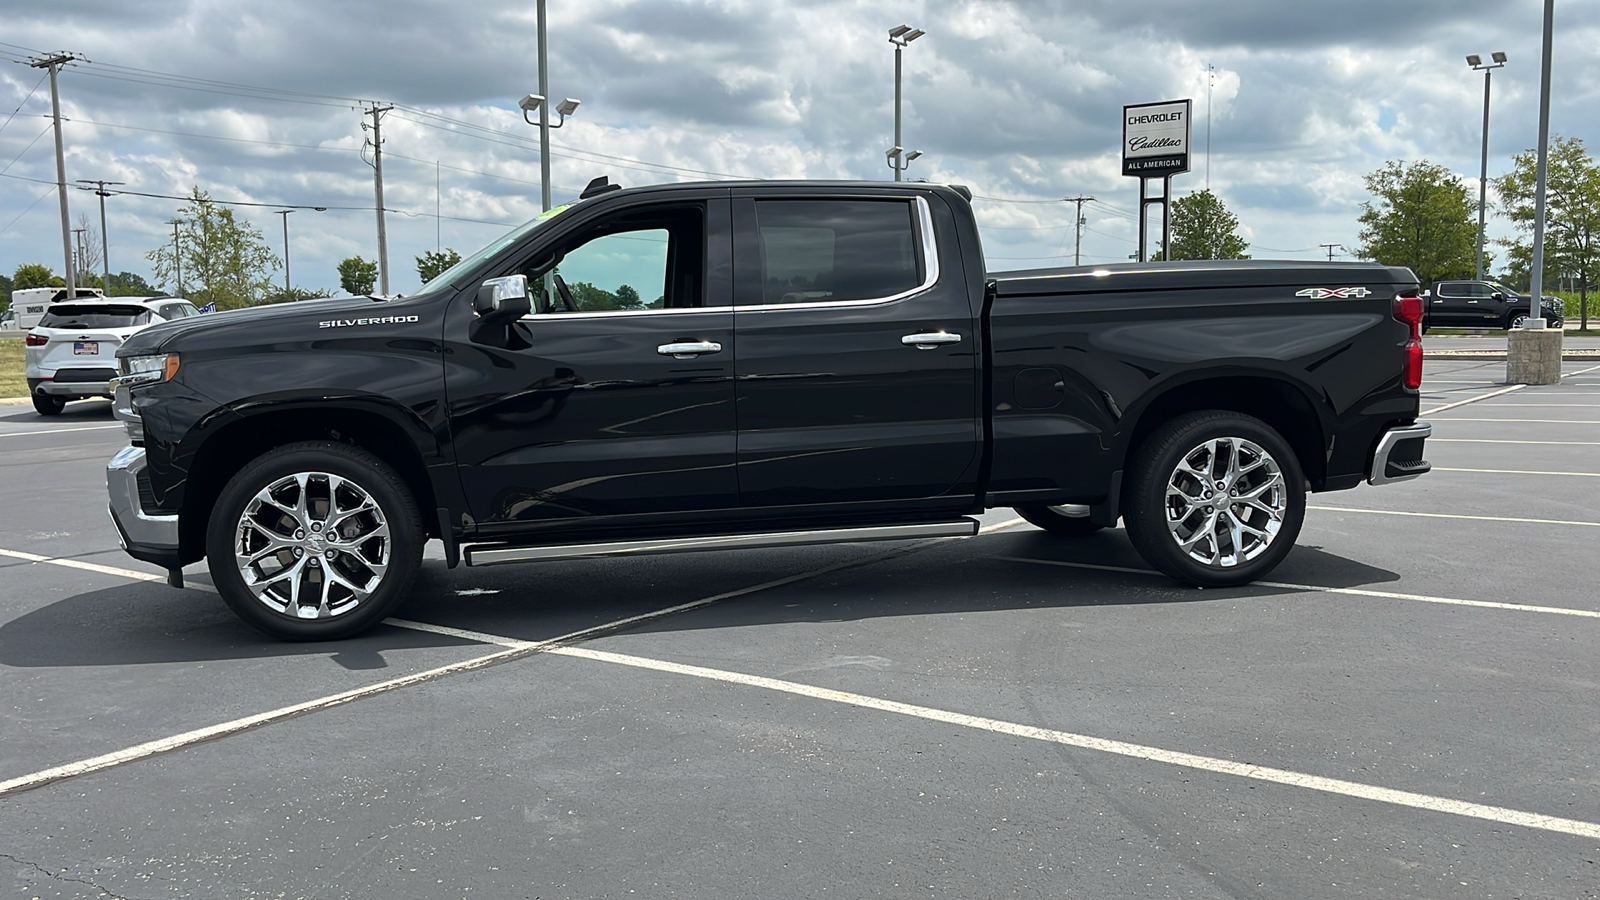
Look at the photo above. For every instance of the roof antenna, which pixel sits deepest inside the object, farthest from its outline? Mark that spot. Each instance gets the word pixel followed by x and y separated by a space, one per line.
pixel 598 186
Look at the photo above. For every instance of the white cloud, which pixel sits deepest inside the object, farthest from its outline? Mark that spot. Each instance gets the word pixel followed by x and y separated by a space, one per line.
pixel 1016 99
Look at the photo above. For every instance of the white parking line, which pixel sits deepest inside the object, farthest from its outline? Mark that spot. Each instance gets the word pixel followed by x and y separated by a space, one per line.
pixel 1518 472
pixel 1213 764
pixel 1422 515
pixel 1439 409
pixel 1435 440
pixel 58 430
pixel 1534 421
pixel 514 649
pixel 68 562
pixel 1321 589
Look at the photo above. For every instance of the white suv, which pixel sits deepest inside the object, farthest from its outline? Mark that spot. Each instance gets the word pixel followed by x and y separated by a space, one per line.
pixel 72 351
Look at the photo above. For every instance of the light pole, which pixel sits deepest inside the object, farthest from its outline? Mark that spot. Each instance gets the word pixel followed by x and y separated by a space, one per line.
pixel 899 158
pixel 1476 62
pixel 536 102
pixel 105 246
pixel 177 258
pixel 285 214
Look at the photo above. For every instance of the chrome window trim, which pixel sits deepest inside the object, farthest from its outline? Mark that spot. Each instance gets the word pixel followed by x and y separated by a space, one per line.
pixel 611 313
pixel 930 257
pixel 930 276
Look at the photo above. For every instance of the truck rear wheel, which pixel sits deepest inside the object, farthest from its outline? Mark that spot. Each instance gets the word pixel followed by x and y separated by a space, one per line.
pixel 314 541
pixel 1215 499
pixel 1055 521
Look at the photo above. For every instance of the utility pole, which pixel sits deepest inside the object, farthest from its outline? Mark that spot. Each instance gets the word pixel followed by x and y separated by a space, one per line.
pixel 285 214
pixel 82 251
pixel 1330 248
pixel 105 246
pixel 54 64
pixel 377 181
pixel 177 259
pixel 1077 227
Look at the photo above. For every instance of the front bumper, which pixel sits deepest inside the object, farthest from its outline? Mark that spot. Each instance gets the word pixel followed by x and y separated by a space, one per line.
pixel 153 539
pixel 1398 456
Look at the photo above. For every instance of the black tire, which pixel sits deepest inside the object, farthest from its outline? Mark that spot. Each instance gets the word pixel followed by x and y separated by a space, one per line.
pixel 47 405
pixel 372 559
pixel 1167 457
pixel 1515 320
pixel 1057 522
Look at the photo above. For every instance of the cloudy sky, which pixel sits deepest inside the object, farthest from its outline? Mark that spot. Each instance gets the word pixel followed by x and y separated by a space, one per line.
pixel 262 102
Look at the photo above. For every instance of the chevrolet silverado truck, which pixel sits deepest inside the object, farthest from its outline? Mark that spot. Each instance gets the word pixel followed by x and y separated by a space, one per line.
pixel 734 365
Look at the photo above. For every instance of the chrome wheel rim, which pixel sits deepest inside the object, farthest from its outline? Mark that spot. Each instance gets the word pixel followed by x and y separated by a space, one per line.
pixel 1225 502
pixel 312 545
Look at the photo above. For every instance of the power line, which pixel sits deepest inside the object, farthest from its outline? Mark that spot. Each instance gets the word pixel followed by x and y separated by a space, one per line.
pixel 24 101
pixel 25 150
pixel 212 137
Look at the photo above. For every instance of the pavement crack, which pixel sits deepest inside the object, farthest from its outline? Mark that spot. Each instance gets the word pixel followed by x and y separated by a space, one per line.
pixel 61 876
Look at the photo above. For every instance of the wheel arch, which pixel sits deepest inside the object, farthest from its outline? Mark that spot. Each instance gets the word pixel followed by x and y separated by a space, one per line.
pixel 1285 405
pixel 224 452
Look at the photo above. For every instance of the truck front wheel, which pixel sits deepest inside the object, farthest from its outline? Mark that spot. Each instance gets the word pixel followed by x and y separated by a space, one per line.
pixel 1215 499
pixel 314 541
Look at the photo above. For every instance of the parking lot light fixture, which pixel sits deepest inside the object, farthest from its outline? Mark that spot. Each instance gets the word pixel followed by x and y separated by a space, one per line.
pixel 1476 62
pixel 900 36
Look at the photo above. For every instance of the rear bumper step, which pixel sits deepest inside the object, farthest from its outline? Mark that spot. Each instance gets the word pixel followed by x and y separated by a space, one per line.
pixel 499 554
pixel 1398 456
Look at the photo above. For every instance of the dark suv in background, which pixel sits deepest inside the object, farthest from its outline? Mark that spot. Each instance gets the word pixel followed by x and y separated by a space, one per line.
pixel 1483 304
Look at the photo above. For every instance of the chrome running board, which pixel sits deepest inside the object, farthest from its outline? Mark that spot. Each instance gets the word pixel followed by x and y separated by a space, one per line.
pixel 498 554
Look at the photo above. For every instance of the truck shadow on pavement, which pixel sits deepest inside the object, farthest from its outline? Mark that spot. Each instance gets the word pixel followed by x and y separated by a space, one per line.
pixel 151 624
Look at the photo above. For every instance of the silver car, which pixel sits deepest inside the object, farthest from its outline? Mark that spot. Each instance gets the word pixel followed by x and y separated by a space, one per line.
pixel 71 353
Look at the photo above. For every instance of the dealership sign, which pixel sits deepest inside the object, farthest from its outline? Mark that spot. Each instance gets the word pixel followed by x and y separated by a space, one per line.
pixel 1155 139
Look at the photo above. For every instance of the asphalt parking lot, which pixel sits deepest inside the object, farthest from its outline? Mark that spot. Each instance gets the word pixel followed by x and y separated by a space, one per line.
pixel 1410 708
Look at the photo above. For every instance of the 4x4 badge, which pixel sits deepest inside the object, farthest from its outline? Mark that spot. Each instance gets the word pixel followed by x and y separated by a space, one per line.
pixel 1343 293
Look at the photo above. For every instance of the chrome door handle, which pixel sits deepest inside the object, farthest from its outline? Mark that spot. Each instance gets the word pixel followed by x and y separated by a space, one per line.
pixel 689 349
pixel 929 340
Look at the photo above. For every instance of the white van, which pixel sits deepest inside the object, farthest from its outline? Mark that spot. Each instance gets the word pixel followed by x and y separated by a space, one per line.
pixel 30 304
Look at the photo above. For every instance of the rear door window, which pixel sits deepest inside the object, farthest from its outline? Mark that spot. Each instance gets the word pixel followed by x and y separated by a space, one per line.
pixel 87 315
pixel 837 251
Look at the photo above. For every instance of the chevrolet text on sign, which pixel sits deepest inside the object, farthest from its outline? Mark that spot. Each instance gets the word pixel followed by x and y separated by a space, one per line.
pixel 1155 138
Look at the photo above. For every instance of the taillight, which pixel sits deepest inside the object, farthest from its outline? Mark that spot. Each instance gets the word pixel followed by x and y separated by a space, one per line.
pixel 1408 309
pixel 35 340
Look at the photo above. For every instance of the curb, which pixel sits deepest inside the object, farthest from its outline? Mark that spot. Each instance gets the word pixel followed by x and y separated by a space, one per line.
pixel 14 401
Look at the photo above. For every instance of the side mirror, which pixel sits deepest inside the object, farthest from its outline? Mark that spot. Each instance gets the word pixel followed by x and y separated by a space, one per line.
pixel 1497 295
pixel 501 301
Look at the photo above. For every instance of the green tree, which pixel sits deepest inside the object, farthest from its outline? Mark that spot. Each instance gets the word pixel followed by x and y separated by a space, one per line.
pixel 431 263
pixel 1424 218
pixel 35 275
pixel 294 295
pixel 224 258
pixel 1202 228
pixel 5 292
pixel 357 276
pixel 1572 215
pixel 628 298
pixel 129 284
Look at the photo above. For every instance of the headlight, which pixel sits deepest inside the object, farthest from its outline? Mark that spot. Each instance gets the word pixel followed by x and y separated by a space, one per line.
pixel 149 369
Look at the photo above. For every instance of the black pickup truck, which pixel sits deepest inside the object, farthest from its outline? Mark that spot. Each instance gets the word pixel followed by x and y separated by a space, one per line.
pixel 732 365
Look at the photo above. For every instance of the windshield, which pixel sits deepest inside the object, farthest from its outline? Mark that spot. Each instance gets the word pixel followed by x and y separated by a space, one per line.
pixel 493 247
pixel 1508 291
pixel 83 315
